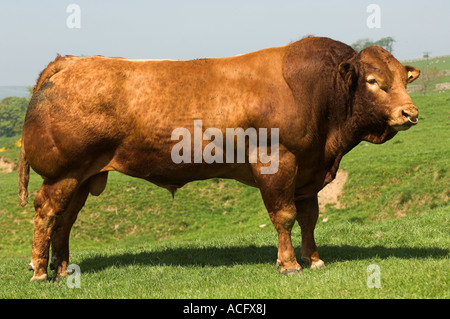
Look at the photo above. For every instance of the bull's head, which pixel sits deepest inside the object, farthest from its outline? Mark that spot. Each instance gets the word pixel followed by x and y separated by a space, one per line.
pixel 380 97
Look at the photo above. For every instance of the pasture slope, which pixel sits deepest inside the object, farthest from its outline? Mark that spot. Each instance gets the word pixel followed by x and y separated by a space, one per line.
pixel 215 239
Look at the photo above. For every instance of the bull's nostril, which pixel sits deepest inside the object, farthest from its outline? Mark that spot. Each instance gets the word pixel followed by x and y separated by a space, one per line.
pixel 415 121
pixel 412 117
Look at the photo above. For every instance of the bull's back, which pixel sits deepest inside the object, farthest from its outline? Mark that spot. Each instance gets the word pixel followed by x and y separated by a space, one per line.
pixel 221 93
pixel 123 108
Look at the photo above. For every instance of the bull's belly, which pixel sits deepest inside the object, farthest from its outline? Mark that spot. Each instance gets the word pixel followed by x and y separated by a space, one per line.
pixel 158 167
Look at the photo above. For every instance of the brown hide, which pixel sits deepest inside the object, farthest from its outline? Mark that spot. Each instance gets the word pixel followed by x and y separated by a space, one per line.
pixel 91 115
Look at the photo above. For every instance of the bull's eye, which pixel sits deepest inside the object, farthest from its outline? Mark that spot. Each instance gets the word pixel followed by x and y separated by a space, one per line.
pixel 371 81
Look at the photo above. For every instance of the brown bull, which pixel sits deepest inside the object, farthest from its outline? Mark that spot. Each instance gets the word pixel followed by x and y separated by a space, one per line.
pixel 91 115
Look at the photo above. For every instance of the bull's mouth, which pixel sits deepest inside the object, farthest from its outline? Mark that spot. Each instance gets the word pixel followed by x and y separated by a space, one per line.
pixel 405 125
pixel 404 121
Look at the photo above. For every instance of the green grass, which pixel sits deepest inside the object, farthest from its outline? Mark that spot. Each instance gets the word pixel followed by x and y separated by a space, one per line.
pixel 409 174
pixel 134 241
pixel 441 63
pixel 411 253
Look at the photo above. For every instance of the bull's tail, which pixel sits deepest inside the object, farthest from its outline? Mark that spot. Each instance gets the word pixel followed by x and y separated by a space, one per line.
pixel 24 176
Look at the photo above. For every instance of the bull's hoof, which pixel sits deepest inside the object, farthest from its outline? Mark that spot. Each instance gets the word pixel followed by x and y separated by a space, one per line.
pixel 39 278
pixel 313 264
pixel 290 272
pixel 36 277
pixel 61 274
pixel 318 264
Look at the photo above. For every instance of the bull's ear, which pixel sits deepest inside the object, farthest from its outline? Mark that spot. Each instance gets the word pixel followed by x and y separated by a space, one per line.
pixel 348 73
pixel 412 73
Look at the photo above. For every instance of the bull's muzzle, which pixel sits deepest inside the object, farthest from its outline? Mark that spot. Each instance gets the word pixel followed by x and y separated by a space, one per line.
pixel 407 116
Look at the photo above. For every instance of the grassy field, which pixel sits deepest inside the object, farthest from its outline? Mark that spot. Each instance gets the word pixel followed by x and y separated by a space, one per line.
pixel 442 64
pixel 215 240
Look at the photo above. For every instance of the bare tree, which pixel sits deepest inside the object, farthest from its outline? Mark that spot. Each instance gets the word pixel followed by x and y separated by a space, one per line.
pixel 428 78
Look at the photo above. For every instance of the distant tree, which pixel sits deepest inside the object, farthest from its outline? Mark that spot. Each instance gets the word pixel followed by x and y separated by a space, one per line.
pixel 361 44
pixel 12 115
pixel 386 43
pixel 428 78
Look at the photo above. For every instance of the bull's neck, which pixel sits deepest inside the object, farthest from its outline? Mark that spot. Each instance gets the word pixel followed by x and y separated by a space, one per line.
pixel 346 129
pixel 343 132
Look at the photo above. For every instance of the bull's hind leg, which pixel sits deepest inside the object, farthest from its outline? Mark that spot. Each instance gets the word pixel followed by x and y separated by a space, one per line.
pixel 307 214
pixel 52 200
pixel 60 238
pixel 61 234
pixel 277 191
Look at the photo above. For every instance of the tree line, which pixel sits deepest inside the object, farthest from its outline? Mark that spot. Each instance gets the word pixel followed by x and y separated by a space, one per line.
pixel 386 43
pixel 12 115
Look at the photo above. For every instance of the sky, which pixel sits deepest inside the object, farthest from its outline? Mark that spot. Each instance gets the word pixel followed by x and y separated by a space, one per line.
pixel 33 32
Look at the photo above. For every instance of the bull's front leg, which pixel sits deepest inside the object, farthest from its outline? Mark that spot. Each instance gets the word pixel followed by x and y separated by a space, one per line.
pixel 277 191
pixel 307 214
pixel 283 219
